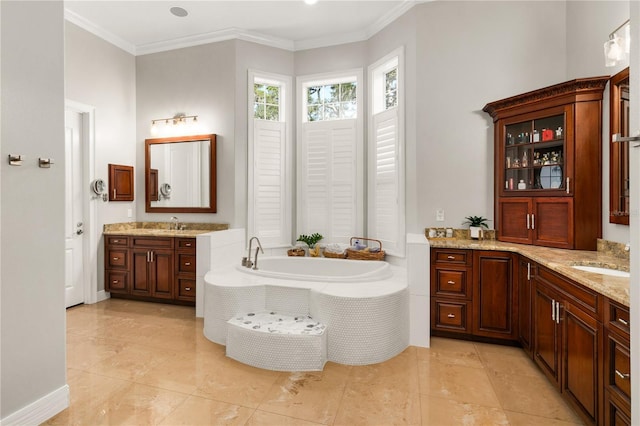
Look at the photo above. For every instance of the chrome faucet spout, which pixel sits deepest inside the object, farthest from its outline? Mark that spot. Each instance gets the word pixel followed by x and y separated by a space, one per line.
pixel 249 262
pixel 255 261
pixel 174 225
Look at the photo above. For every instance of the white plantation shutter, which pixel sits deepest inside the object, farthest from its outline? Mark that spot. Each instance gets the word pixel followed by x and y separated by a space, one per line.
pixel 268 216
pixel 384 188
pixel 328 185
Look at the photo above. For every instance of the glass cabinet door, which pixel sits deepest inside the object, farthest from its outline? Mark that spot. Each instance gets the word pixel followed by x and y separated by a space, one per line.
pixel 534 154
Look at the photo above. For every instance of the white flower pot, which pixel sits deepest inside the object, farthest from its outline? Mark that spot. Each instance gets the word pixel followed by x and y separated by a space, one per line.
pixel 474 232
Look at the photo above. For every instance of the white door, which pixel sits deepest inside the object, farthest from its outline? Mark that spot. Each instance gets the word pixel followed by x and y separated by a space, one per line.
pixel 74 223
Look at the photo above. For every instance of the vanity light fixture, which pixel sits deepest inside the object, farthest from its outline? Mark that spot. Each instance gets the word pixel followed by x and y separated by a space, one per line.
pixel 177 119
pixel 617 48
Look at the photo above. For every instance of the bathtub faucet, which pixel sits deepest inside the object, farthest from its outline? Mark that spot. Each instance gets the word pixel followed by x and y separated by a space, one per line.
pixel 247 260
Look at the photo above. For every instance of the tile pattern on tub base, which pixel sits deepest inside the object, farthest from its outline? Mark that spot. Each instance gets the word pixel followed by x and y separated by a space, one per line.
pixel 278 342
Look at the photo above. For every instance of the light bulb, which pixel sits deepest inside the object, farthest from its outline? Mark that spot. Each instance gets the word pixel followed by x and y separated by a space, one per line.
pixel 310 2
pixel 613 52
pixel 154 128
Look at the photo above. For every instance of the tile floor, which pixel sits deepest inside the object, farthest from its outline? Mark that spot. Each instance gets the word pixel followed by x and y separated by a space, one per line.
pixel 132 363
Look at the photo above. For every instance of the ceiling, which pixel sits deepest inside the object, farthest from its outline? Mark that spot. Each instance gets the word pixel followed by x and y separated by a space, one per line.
pixel 147 26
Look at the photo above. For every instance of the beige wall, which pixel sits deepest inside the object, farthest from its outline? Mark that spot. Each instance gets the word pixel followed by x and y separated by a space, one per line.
pixel 32 206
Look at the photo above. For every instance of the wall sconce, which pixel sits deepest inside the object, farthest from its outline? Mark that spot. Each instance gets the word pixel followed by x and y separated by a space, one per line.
pixel 178 119
pixel 616 49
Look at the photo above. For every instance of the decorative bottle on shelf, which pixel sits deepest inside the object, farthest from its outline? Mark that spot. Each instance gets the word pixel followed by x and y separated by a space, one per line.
pixel 522 185
pixel 536 136
pixel 524 159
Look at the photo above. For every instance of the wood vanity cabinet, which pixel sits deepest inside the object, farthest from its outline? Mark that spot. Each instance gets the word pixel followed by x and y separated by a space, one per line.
pixel 120 182
pixel 548 165
pixel 567 340
pixel 151 268
pixel 617 365
pixel 495 296
pixel 451 291
pixel 473 294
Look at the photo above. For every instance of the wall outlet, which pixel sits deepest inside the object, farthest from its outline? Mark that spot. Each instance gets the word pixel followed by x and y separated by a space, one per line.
pixel 129 213
pixel 440 215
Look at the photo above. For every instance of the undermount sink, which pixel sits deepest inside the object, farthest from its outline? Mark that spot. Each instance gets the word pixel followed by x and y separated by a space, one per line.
pixel 603 271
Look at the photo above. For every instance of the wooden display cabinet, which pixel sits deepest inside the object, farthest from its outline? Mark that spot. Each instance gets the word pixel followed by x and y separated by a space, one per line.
pixel 548 165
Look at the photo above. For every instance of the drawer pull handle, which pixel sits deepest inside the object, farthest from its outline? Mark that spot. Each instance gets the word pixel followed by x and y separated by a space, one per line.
pixel 187 263
pixel 623 321
pixel 188 245
pixel 116 241
pixel 187 288
pixel 115 258
pixel 451 316
pixel 451 282
pixel 451 257
pixel 622 375
pixel 115 281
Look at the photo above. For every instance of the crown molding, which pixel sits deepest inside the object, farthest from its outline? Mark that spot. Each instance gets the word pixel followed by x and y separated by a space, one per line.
pixel 242 34
pixel 214 37
pixel 87 25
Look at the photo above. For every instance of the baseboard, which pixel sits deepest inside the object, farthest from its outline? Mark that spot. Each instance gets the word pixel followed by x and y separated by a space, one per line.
pixel 102 295
pixel 41 410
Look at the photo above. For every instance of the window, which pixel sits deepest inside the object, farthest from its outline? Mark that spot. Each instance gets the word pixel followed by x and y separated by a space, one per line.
pixel 334 101
pixel 269 165
pixel 385 146
pixel 330 183
pixel 266 104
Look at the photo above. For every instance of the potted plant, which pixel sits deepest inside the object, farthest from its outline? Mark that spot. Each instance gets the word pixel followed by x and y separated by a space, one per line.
pixel 311 241
pixel 476 223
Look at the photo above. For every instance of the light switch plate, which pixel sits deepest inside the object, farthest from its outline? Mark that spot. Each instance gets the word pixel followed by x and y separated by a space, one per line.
pixel 440 215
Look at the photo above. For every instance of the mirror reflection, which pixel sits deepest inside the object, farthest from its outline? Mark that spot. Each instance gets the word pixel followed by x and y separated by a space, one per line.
pixel 180 174
pixel 619 151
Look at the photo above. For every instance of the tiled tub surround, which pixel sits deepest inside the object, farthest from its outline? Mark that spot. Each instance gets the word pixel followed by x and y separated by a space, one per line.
pixel 366 322
pixel 162 229
pixel 562 261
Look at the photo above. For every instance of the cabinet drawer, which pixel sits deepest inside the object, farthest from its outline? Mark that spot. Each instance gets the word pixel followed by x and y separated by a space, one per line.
pixel 186 263
pixel 117 241
pixel 450 316
pixel 451 256
pixel 117 258
pixel 618 317
pixel 117 281
pixel 153 242
pixel 186 289
pixel 186 244
pixel 615 414
pixel 451 282
pixel 619 368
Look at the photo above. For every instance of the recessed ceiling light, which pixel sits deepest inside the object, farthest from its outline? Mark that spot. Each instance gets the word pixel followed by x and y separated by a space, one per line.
pixel 178 11
pixel 311 1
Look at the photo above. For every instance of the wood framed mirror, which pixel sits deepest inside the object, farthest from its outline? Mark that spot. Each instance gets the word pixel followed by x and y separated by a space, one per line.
pixel 619 151
pixel 180 174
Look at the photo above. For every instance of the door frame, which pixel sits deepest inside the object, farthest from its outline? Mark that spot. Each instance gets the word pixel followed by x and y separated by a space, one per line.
pixel 89 205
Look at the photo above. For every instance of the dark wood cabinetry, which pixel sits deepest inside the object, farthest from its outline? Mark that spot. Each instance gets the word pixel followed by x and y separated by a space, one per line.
pixel 548 171
pixel 617 365
pixel 151 268
pixel 120 183
pixel 568 332
pixel 526 273
pixel 473 293
pixel 451 290
pixel 494 295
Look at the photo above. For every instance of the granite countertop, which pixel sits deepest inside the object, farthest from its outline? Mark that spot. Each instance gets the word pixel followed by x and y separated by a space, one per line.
pixel 561 261
pixel 162 229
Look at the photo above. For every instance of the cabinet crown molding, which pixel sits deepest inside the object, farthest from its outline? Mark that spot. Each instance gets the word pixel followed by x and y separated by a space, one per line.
pixel 580 89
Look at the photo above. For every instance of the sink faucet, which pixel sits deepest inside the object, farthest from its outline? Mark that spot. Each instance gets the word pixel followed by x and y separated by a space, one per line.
pixel 247 260
pixel 174 225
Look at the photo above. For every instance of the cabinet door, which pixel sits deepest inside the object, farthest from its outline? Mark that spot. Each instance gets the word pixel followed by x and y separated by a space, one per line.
pixel 494 295
pixel 546 332
pixel 120 183
pixel 161 273
pixel 581 340
pixel 552 222
pixel 526 271
pixel 514 220
pixel 140 284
